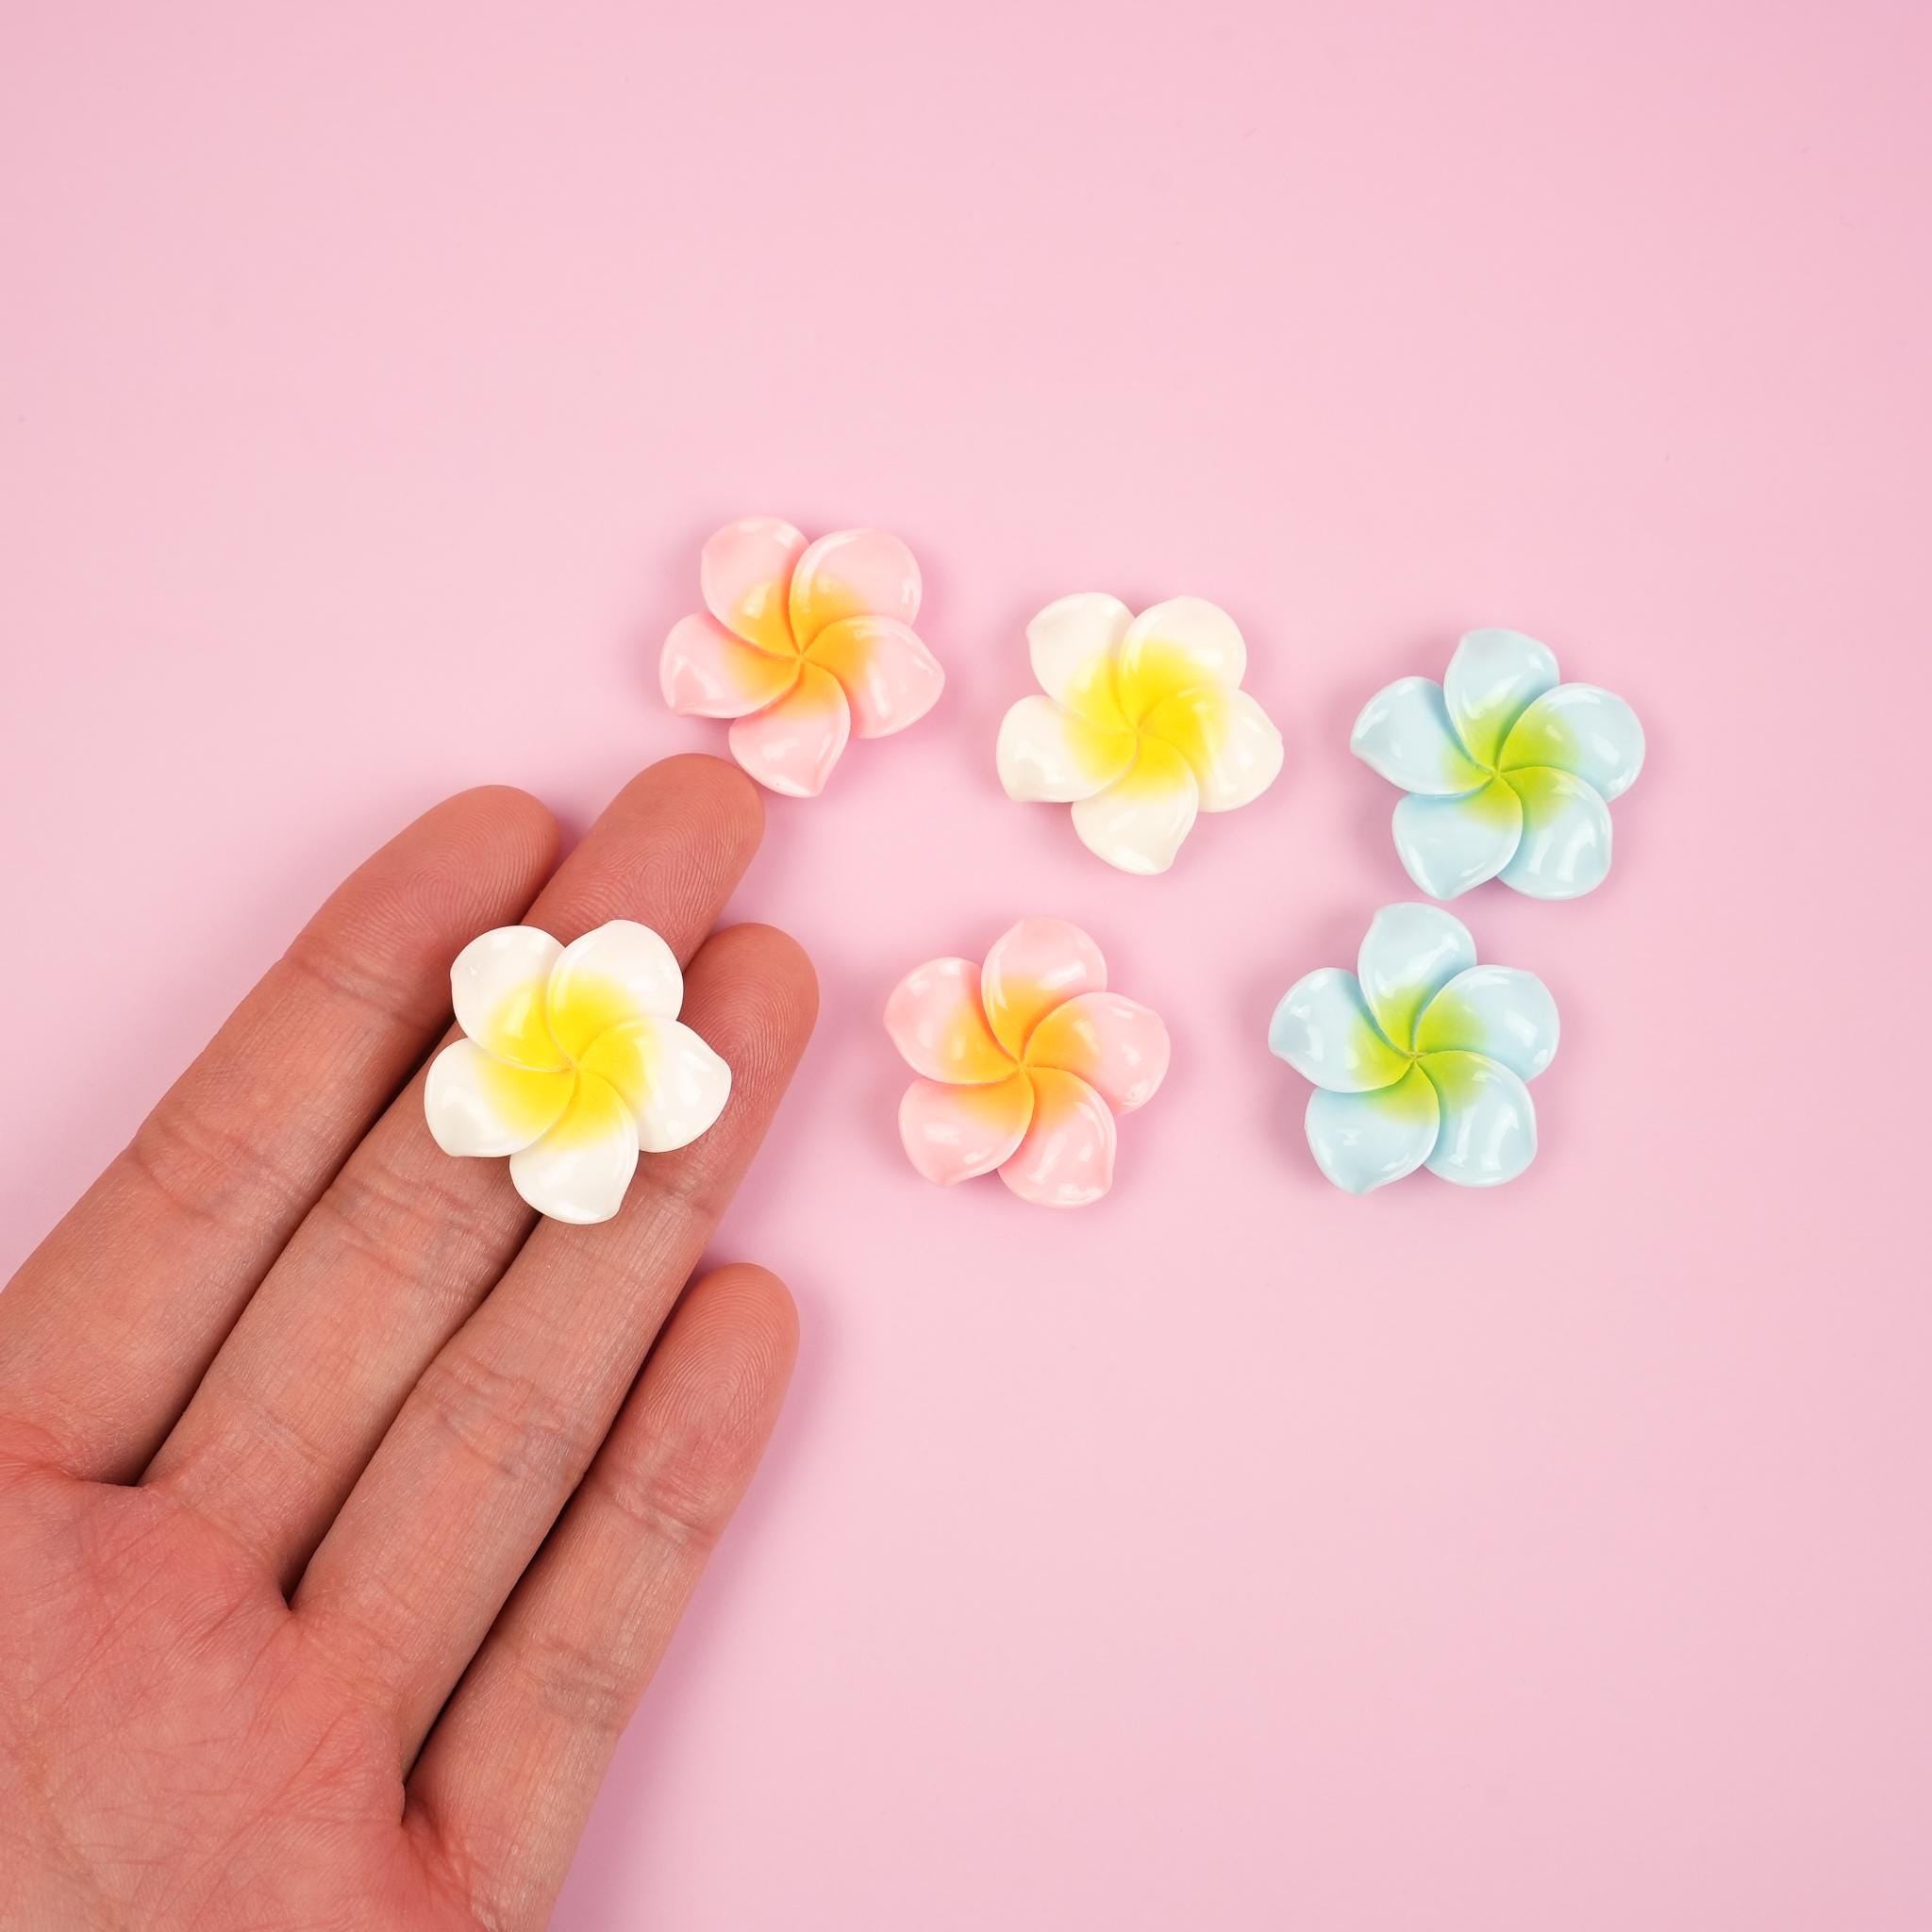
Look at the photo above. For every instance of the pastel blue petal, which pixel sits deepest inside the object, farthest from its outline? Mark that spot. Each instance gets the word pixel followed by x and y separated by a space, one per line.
pixel 1499 1012
pixel 1592 734
pixel 1410 952
pixel 1447 845
pixel 1565 847
pixel 1490 682
pixel 1322 1029
pixel 1403 733
pixel 1363 1141
pixel 1488 1133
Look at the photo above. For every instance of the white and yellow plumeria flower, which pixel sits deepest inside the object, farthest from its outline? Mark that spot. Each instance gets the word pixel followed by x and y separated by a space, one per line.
pixel 1420 1055
pixel 1509 774
pixel 576 1059
pixel 1144 724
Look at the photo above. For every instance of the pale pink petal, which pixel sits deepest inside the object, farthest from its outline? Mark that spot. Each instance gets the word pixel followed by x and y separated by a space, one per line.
pixel 793 745
pixel 706 673
pixel 852 573
pixel 746 573
pixel 1118 1046
pixel 1066 1160
pixel 936 1021
pixel 953 1132
pixel 1032 968
pixel 891 681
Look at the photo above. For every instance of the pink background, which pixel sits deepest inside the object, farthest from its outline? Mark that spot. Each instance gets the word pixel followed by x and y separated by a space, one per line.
pixel 1234 1554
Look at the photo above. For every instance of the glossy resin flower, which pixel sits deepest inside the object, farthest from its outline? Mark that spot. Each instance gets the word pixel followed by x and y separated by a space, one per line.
pixel 1420 1056
pixel 800 646
pixel 1144 724
pixel 576 1059
pixel 1024 1063
pixel 1509 774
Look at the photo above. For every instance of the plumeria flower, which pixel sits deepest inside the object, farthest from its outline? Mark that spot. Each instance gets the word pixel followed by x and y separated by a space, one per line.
pixel 1143 724
pixel 1420 1055
pixel 1509 774
pixel 804 644
pixel 576 1059
pixel 1024 1063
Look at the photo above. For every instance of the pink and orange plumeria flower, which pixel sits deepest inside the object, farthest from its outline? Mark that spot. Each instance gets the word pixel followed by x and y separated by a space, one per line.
pixel 801 644
pixel 1024 1064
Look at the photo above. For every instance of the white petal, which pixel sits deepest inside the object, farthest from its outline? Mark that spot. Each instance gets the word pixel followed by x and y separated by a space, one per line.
pixel 1592 734
pixel 1323 1030
pixel 1073 643
pixel 1403 733
pixel 1488 1121
pixel 1186 632
pixel 1408 954
pixel 478 1104
pixel 1226 737
pixel 674 1084
pixel 1447 845
pixel 1499 1012
pixel 1490 681
pixel 1138 822
pixel 497 986
pixel 619 973
pixel 1047 752
pixel 1364 1141
pixel 1565 848
pixel 579 1169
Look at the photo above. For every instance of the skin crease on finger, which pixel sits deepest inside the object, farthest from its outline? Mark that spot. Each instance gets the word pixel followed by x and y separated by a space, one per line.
pixel 177 1750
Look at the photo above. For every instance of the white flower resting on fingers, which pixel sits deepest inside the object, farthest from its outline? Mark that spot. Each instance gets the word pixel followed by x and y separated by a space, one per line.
pixel 575 1060
pixel 1509 774
pixel 1144 724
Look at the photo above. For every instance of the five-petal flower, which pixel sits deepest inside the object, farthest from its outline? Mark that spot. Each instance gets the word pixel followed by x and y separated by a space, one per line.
pixel 1143 724
pixel 1420 1055
pixel 1025 1063
pixel 801 644
pixel 1509 774
pixel 575 1059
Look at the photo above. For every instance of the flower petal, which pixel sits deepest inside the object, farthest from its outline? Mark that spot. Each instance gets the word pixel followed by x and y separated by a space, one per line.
pixel 616 972
pixel 953 1133
pixel 1403 733
pixel 937 1021
pixel 745 572
pixel 1118 1046
pixel 478 1104
pixel 1073 643
pixel 579 1169
pixel 852 573
pixel 793 745
pixel 497 984
pixel 1490 681
pixel 1066 1160
pixel 1322 1028
pixel 1408 954
pixel 674 1084
pixel 1138 822
pixel 708 672
pixel 1228 740
pixel 1592 734
pixel 1365 1141
pixel 1032 968
pixel 1487 1134
pixel 1499 1012
pixel 1176 646
pixel 1046 752
pixel 1565 848
pixel 890 679
pixel 1447 845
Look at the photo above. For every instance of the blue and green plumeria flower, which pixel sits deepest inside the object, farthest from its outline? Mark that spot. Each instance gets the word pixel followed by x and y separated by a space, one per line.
pixel 1510 773
pixel 1420 1057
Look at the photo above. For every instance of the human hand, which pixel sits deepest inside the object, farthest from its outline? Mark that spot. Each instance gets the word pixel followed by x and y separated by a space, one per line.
pixel 342 1518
